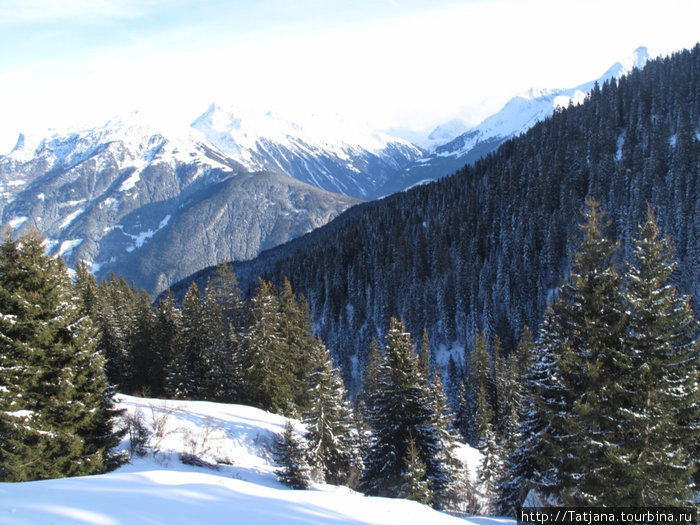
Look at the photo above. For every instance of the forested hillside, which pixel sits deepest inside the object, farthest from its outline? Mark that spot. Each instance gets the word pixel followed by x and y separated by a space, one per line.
pixel 486 249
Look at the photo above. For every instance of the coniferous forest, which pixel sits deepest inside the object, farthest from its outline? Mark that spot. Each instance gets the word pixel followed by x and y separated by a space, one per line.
pixel 562 271
pixel 486 249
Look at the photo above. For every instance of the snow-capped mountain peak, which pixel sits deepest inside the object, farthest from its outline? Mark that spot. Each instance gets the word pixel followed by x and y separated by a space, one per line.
pixel 325 151
pixel 638 60
pixel 518 115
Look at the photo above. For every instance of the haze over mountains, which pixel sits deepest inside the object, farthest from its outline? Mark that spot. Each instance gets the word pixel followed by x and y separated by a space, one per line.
pixel 157 205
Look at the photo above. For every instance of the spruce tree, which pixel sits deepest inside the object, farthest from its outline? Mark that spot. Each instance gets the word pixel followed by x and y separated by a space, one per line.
pixel 491 470
pixel 267 379
pixel 584 330
pixel 289 451
pixel 167 333
pixel 663 418
pixel 526 446
pixel 416 486
pixel 56 409
pixel 399 409
pixel 190 361
pixel 331 450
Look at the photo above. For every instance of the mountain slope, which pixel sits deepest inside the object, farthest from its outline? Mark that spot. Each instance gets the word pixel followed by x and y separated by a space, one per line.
pixel 517 116
pixel 236 482
pixel 111 195
pixel 487 248
pixel 327 153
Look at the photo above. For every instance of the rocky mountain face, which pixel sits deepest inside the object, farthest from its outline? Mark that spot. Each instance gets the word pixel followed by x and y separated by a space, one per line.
pixel 328 153
pixel 153 206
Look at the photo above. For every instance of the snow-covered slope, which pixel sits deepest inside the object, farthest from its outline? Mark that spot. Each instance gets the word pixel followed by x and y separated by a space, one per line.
pixel 517 116
pixel 237 486
pixel 326 152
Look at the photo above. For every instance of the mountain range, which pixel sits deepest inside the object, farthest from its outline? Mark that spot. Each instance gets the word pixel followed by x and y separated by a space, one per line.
pixel 451 148
pixel 156 205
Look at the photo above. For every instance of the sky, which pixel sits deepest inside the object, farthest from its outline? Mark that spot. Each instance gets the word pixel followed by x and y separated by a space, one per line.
pixel 394 64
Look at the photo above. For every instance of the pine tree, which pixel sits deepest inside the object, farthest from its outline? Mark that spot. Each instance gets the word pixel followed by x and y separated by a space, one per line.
pixel 56 410
pixel 520 471
pixel 663 418
pixel 424 354
pixel 399 409
pixel 267 379
pixel 479 392
pixel 296 332
pixel 190 362
pixel 289 451
pixel 143 358
pixel 328 418
pixel 416 486
pixel 223 292
pixel 115 316
pixel 491 470
pixel 167 333
pixel 584 330
pixel 370 381
pixel 458 495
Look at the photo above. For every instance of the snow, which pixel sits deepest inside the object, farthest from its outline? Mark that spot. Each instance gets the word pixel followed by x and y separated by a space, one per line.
pixel 66 247
pixel 159 488
pixel 16 222
pixel 525 110
pixel 142 237
pixel 241 134
pixel 70 218
pixel 131 181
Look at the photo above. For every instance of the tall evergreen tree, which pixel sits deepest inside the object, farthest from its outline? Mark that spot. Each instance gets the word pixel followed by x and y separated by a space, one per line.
pixel 328 421
pixel 55 417
pixel 584 330
pixel 399 409
pixel 289 451
pixel 491 470
pixel 664 414
pixel 520 468
pixel 167 333
pixel 416 486
pixel 190 362
pixel 267 378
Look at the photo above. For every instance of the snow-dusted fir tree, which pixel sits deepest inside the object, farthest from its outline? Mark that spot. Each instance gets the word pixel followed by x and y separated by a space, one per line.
pixel 520 465
pixel 191 360
pixel 167 333
pixel 416 486
pixel 585 330
pixel 663 416
pixel 331 440
pixel 399 409
pixel 268 380
pixel 459 495
pixel 56 408
pixel 290 453
pixel 491 470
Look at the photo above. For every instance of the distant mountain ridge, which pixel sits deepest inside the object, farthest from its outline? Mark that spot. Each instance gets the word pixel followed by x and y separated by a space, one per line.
pixel 327 153
pixel 153 206
pixel 517 116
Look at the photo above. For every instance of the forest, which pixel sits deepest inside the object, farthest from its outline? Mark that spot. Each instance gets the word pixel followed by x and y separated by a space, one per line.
pixel 488 248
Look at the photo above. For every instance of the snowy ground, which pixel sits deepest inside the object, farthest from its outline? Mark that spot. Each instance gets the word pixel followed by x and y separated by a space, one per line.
pixel 234 483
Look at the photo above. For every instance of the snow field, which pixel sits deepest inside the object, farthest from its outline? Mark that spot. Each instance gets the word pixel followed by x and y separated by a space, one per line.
pixel 230 479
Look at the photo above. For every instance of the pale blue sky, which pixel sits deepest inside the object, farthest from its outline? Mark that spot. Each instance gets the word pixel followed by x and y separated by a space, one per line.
pixel 409 63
